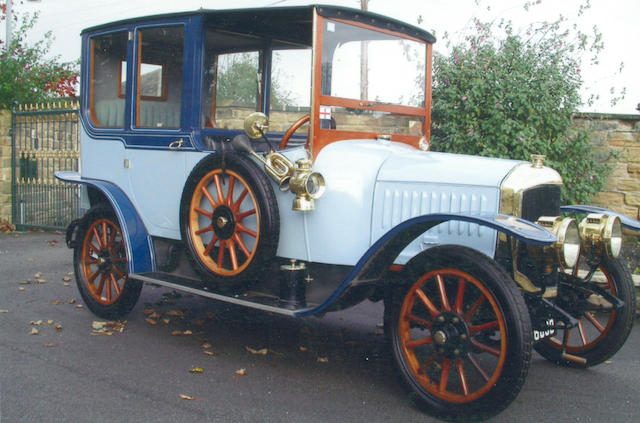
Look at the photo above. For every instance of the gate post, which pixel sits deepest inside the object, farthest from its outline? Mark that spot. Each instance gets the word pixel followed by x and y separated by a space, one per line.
pixel 5 165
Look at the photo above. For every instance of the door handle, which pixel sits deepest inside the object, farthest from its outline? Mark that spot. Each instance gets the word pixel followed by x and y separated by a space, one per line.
pixel 175 145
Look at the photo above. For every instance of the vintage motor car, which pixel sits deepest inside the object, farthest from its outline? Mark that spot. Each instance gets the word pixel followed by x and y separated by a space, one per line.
pixel 278 159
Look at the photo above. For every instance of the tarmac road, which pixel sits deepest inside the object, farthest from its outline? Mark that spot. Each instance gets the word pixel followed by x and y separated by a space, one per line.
pixel 342 373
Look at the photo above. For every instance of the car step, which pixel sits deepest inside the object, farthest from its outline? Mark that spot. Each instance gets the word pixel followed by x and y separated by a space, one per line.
pixel 256 300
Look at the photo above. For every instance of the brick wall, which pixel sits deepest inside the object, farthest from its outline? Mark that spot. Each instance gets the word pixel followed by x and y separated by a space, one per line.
pixel 5 165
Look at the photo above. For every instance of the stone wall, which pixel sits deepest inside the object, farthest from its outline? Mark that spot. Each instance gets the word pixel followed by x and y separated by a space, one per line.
pixel 620 133
pixel 5 165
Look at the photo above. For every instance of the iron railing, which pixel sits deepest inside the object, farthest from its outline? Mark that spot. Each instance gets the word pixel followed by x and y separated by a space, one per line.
pixel 45 139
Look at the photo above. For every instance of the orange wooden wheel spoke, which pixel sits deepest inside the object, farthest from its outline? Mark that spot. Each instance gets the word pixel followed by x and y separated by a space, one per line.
pixel 204 230
pixel 221 254
pixel 469 314
pixel 116 287
pixel 583 333
pixel 416 319
pixel 594 322
pixel 213 241
pixel 203 212
pixel 98 238
pixel 485 348
pixel 463 377
pixel 119 273
pixel 443 293
pixel 242 228
pixel 423 368
pixel 119 260
pixel 419 342
pixel 105 242
pixel 457 306
pixel 236 205
pixel 244 215
pixel 93 277
pixel 101 285
pixel 476 365
pixel 427 303
pixel 209 198
pixel 93 247
pixel 232 182
pixel 232 253
pixel 221 198
pixel 444 375
pixel 241 244
pixel 486 326
pixel 109 294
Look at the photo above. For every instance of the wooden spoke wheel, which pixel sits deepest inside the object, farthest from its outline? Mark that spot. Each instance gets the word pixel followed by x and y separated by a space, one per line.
pixel 460 333
pixel 229 218
pixel 101 265
pixel 602 329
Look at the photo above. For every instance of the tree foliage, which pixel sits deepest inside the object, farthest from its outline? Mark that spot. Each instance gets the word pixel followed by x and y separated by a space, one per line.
pixel 505 94
pixel 27 74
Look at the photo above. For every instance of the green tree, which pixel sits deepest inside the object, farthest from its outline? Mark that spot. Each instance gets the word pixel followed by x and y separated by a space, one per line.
pixel 27 75
pixel 504 94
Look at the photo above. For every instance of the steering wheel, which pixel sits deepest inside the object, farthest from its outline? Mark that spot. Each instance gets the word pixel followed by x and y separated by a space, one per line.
pixel 285 140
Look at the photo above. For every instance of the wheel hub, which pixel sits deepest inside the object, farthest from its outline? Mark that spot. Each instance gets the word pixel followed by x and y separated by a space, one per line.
pixel 450 335
pixel 223 222
pixel 104 261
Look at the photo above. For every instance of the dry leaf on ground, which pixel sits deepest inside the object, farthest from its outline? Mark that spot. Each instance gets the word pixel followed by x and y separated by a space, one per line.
pixel 206 346
pixel 151 321
pixel 66 279
pixel 34 331
pixel 210 353
pixel 181 333
pixel 241 372
pixel 323 359
pixel 262 351
pixel 196 370
pixel 174 313
pixel 187 397
pixel 37 275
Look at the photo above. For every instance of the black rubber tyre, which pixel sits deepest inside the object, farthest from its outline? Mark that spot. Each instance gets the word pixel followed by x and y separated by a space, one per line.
pixel 229 220
pixel 101 265
pixel 460 333
pixel 600 334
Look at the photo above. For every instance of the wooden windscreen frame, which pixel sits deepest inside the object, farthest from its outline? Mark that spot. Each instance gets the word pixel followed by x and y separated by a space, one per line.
pixel 319 138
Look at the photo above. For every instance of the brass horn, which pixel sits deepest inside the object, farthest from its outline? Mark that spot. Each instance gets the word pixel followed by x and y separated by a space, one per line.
pixel 277 166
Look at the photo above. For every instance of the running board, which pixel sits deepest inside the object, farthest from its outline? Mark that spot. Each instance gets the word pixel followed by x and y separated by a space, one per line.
pixel 251 299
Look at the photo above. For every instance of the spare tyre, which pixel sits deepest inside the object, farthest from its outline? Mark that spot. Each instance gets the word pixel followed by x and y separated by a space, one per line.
pixel 229 220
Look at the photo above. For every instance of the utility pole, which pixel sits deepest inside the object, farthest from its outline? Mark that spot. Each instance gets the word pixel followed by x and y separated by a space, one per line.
pixel 7 39
pixel 364 61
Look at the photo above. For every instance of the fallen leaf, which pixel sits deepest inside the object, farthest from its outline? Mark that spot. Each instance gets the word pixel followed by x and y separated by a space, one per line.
pixel 151 321
pixel 37 275
pixel 241 372
pixel 56 302
pixel 206 346
pixel 66 284
pixel 35 322
pixel 181 333
pixel 174 313
pixel 4 311
pixel 72 301
pixel 34 331
pixel 21 289
pixel 148 311
pixel 69 273
pixel 209 352
pixel 196 370
pixel 50 344
pixel 608 362
pixel 262 351
pixel 58 327
pixel 323 359
pixel 155 315
pixel 40 281
pixel 79 306
pixel 304 349
pixel 380 325
pixel 66 278
pixel 50 322
pixel 198 322
pixel 53 242
pixel 166 321
pixel 187 397
pixel 25 282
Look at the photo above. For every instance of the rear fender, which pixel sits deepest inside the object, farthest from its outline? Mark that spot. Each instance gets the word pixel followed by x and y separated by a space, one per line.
pixel 136 238
pixel 381 255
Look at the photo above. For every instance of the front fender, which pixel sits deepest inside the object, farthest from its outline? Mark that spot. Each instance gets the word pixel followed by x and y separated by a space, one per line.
pixel 626 221
pixel 136 237
pixel 381 255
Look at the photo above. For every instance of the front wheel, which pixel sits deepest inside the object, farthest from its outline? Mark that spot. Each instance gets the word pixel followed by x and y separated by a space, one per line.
pixel 602 329
pixel 460 333
pixel 101 265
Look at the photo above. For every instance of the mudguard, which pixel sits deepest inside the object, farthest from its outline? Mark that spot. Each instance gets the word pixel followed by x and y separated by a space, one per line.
pixel 137 240
pixel 380 256
pixel 627 222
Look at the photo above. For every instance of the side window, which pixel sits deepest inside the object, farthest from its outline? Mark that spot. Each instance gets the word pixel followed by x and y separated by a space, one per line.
pixel 159 75
pixel 290 89
pixel 107 78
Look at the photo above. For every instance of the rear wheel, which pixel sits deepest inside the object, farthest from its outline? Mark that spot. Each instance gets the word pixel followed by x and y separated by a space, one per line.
pixel 460 333
pixel 602 329
pixel 101 265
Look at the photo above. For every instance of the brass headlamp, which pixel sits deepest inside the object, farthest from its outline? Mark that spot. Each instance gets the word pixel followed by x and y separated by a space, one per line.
pixel 601 235
pixel 567 249
pixel 306 185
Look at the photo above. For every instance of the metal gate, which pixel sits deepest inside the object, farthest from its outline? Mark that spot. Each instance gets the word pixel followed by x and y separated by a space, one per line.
pixel 45 139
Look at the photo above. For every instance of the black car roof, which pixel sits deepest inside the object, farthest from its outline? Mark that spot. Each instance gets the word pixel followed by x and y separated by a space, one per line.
pixel 281 21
